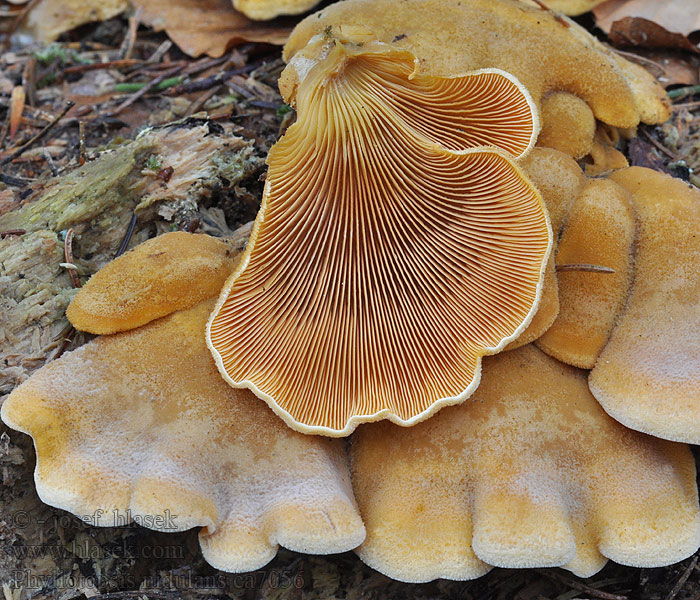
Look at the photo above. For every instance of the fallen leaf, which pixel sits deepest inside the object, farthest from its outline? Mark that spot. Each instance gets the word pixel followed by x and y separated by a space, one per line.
pixel 16 109
pixel 50 18
pixel 677 68
pixel 637 31
pixel 209 26
pixel 643 154
pixel 675 16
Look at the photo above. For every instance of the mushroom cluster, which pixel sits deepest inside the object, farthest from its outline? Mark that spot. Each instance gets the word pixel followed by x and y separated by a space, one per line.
pixel 408 228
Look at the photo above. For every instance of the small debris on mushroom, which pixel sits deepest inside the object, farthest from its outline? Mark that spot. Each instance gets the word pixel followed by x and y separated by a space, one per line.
pixel 600 231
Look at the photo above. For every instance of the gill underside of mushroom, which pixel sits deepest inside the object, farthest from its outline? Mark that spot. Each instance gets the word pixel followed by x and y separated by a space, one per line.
pixel 392 249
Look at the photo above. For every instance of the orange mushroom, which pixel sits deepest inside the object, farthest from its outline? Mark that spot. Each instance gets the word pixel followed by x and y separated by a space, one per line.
pixel 263 10
pixel 531 473
pixel 143 284
pixel 546 53
pixel 139 425
pixel 600 232
pixel 390 252
pixel 568 124
pixel 648 374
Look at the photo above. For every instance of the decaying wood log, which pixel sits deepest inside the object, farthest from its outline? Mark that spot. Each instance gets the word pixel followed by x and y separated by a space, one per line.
pixel 167 177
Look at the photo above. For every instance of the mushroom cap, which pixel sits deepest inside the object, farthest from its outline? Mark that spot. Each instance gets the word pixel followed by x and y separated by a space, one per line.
pixel 121 428
pixel 542 52
pixel 600 231
pixel 388 256
pixel 164 274
pixel 531 473
pixel 648 375
pixel 547 309
pixel 568 124
pixel 573 7
pixel 263 10
pixel 604 158
pixel 559 179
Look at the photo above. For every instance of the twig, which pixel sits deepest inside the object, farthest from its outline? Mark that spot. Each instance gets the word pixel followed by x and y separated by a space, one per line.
pixel 49 161
pixel 556 15
pixel 146 88
pixel 240 90
pixel 264 104
pixel 8 232
pixel 82 159
pixel 29 80
pixel 659 145
pixel 14 181
pixel 199 85
pixel 111 64
pixel 68 253
pixel 587 268
pixel 683 578
pixel 136 87
pixel 29 143
pixel 127 236
pixel 130 37
pixel 197 104
pixel 687 106
pixel 642 60
pixel 582 587
pixel 205 64
pixel 159 53
pixel 682 92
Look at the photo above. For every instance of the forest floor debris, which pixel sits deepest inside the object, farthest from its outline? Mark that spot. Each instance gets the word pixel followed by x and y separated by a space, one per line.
pixel 225 113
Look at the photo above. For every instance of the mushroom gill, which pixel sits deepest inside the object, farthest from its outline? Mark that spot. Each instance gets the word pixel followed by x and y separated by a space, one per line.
pixel 392 249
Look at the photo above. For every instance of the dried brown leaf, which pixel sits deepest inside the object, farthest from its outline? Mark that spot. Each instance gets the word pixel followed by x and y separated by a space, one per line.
pixel 637 31
pixel 16 109
pixel 675 16
pixel 209 26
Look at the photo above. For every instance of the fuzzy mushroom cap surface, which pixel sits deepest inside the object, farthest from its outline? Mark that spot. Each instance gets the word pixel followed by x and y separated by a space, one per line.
pixel 389 253
pixel 453 36
pixel 572 7
pixel 600 232
pixel 648 375
pixel 559 179
pixel 164 274
pixel 530 473
pixel 568 124
pixel 141 424
pixel 264 10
